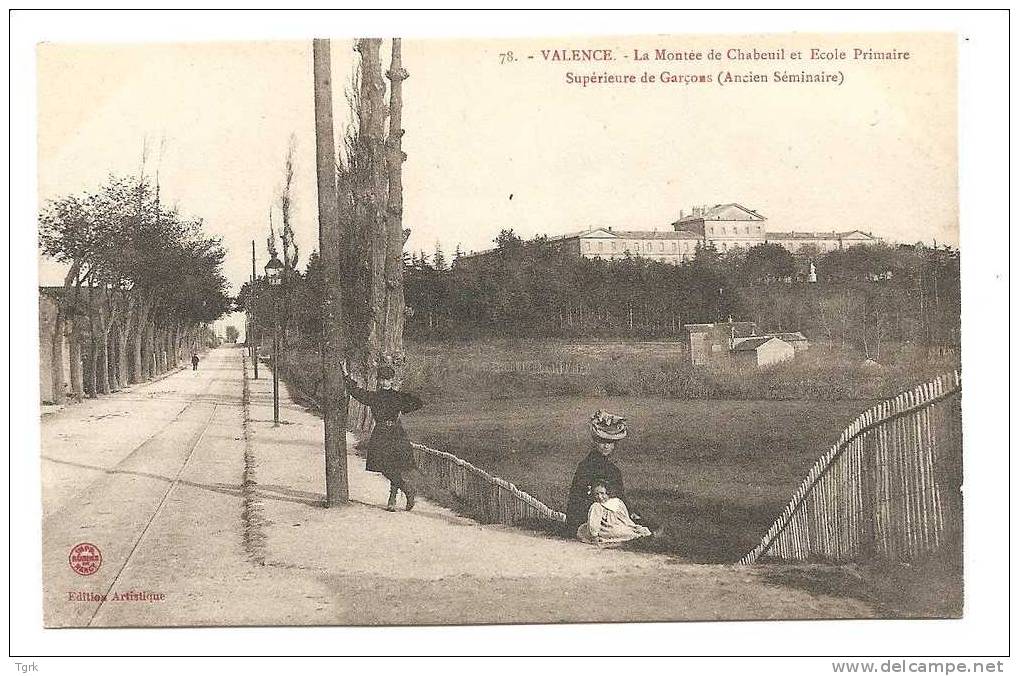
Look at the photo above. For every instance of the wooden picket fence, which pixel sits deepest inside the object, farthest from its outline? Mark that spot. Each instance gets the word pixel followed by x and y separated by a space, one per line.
pixel 486 498
pixel 885 487
pixel 532 366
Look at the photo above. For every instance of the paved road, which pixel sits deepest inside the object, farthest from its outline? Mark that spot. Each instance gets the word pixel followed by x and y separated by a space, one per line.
pixel 152 477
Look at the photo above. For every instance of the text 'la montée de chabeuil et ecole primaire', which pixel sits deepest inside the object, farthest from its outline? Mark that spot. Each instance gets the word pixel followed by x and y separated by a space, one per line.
pixel 814 55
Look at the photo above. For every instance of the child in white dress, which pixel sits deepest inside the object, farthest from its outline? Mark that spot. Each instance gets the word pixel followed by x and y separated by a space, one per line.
pixel 608 520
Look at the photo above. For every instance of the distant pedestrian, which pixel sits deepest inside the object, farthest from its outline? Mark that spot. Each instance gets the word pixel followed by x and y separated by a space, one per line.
pixel 389 450
pixel 194 362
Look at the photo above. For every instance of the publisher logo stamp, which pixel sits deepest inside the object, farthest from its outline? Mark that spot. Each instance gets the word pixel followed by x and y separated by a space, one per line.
pixel 85 558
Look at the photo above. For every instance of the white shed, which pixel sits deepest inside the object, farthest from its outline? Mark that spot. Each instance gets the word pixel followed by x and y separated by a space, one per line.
pixel 762 351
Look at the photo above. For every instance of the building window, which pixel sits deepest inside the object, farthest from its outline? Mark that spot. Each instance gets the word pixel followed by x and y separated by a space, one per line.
pixel 599 246
pixel 673 246
pixel 661 246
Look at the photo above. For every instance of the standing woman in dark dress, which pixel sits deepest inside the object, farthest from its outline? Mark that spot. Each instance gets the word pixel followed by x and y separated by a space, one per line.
pixel 389 449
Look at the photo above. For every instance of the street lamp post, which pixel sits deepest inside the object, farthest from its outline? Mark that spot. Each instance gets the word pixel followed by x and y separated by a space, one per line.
pixel 274 275
pixel 250 335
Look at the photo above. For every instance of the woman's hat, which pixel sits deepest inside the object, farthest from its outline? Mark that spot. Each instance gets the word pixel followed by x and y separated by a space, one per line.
pixel 385 372
pixel 607 427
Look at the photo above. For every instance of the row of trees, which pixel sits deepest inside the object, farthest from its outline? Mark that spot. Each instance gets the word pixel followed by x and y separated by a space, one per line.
pixel 142 285
pixel 866 297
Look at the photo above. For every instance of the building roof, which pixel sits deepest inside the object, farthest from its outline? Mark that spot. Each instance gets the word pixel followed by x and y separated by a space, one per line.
pixel 789 336
pixel 723 212
pixel 606 233
pixel 745 328
pixel 590 232
pixel 753 343
pixel 656 234
pixel 854 234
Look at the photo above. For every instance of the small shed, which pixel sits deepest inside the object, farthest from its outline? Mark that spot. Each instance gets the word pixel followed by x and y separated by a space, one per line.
pixel 762 351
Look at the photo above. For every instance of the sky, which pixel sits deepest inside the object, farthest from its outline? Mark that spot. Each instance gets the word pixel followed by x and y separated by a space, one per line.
pixel 495 145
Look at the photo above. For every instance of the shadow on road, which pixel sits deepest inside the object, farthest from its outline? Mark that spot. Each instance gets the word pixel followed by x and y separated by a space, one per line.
pixel 268 492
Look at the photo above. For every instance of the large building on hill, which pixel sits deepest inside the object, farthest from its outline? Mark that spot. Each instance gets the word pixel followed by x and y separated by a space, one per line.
pixel 727 226
pixel 733 225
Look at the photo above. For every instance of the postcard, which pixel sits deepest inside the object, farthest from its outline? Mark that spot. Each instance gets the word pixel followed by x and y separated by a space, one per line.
pixel 435 331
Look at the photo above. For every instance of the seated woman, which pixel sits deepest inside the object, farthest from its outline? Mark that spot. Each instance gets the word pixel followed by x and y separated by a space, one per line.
pixel 607 431
pixel 608 520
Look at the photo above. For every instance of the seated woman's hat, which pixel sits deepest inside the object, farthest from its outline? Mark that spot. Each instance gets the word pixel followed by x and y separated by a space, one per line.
pixel 607 427
pixel 385 372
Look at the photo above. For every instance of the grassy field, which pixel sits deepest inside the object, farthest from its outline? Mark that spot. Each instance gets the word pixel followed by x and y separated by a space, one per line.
pixel 715 472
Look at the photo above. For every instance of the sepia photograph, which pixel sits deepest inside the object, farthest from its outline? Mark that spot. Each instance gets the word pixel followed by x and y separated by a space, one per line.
pixel 538 330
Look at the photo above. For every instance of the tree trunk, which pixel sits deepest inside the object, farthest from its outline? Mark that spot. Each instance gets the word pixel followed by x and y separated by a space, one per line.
pixel 395 237
pixel 157 362
pixel 91 358
pixel 113 346
pixel 75 359
pixel 102 356
pixel 368 187
pixel 109 316
pixel 123 351
pixel 57 357
pixel 176 344
pixel 160 349
pixel 157 352
pixel 135 369
pixel 372 189
pixel 166 350
pixel 147 354
pixel 139 369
